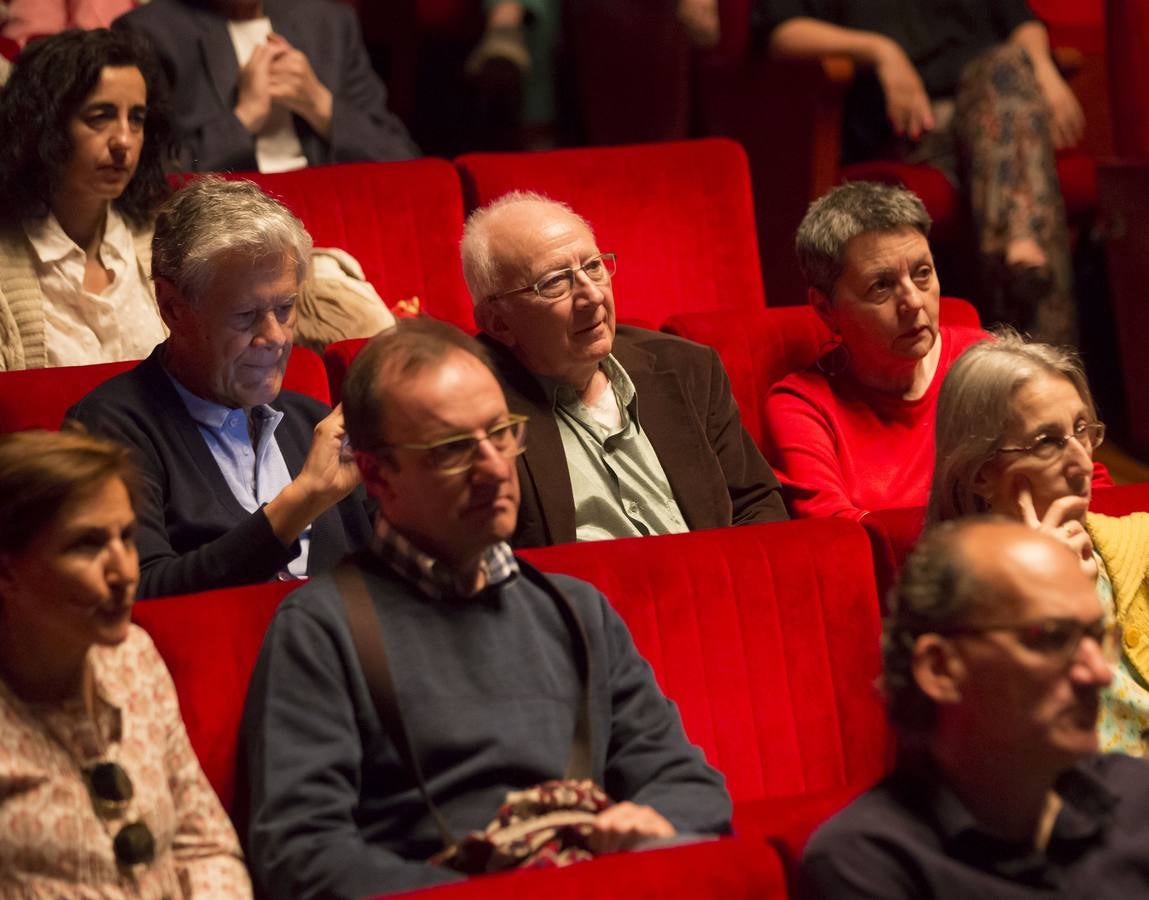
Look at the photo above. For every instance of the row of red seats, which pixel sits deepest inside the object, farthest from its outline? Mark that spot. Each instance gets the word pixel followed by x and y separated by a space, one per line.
pixel 765 636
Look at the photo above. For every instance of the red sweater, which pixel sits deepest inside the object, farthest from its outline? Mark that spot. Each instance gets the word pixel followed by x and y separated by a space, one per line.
pixel 841 449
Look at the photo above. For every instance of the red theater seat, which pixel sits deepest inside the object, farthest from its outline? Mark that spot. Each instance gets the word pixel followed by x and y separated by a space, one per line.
pixel 759 350
pixel 210 642
pixel 766 637
pixel 38 398
pixel 679 215
pixel 401 220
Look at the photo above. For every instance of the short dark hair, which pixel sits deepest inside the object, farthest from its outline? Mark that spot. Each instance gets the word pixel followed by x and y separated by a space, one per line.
pixel 843 213
pixel 43 472
pixel 49 83
pixel 390 358
pixel 938 588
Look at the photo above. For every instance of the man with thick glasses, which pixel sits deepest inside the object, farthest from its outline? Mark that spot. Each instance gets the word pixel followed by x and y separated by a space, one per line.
pixel 996 651
pixel 633 432
pixel 481 656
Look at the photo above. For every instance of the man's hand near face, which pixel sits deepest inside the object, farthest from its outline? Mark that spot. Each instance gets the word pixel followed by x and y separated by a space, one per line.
pixel 329 474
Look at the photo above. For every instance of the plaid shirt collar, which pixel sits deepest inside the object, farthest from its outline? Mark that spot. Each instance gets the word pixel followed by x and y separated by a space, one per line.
pixel 431 576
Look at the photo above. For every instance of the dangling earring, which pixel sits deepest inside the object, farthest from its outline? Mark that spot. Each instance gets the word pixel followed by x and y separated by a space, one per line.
pixel 833 357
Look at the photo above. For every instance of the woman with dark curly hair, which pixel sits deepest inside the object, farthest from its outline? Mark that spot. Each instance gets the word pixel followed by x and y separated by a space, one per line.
pixel 86 134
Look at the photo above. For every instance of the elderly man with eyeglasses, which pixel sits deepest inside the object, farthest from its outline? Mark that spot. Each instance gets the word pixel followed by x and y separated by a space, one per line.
pixel 633 432
pixel 996 653
pixel 491 664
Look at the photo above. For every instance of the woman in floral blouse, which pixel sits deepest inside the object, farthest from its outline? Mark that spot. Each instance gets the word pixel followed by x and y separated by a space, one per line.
pixel 101 794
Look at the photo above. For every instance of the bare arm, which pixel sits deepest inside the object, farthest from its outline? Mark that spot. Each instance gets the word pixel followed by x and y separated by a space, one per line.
pixel 1066 119
pixel 907 103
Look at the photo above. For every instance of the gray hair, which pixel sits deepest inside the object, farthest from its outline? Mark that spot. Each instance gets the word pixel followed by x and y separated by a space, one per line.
pixel 211 217
pixel 975 408
pixel 939 587
pixel 845 212
pixel 481 266
pixel 388 360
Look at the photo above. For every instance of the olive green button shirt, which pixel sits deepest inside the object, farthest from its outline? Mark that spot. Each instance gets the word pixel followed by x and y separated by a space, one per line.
pixel 619 486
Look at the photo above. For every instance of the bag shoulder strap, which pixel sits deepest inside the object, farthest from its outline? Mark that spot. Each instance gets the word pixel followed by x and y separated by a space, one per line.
pixel 579 763
pixel 367 635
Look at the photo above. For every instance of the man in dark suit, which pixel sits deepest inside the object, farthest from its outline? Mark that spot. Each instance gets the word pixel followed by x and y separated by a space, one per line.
pixel 240 482
pixel 270 84
pixel 632 432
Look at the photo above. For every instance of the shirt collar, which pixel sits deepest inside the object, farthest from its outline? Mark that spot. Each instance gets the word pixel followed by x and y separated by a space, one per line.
pixel 430 575
pixel 215 415
pixel 1087 808
pixel 51 243
pixel 559 393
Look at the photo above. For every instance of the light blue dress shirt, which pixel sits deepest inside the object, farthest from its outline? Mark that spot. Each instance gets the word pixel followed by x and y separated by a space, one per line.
pixel 256 474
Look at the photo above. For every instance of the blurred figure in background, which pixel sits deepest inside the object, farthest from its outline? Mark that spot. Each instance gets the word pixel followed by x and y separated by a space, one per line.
pixel 272 85
pixel 81 173
pixel 37 18
pixel 968 87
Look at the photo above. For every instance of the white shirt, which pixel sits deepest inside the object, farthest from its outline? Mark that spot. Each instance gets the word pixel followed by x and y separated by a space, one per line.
pixel 81 327
pixel 277 147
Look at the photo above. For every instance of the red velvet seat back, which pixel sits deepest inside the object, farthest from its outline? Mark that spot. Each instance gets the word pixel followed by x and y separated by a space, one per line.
pixel 1128 33
pixel 401 220
pixel 680 215
pixel 762 349
pixel 38 398
pixel 210 642
pixel 767 638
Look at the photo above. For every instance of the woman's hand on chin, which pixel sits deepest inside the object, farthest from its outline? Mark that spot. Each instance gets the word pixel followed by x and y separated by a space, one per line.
pixel 1063 520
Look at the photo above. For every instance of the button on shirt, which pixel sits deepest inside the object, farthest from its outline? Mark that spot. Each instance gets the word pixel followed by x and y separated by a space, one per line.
pixel 619 486
pixel 254 470
pixel 81 327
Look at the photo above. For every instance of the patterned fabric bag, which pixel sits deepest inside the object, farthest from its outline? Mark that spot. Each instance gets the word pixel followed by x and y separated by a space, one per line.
pixel 545 825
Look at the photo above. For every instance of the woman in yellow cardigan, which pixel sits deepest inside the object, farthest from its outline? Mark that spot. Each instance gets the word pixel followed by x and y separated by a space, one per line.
pixel 81 172
pixel 1015 435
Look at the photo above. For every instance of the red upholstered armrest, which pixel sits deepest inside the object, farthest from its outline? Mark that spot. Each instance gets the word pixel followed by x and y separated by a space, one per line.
pixel 789 821
pixel 893 533
pixel 726 868
pixel 210 642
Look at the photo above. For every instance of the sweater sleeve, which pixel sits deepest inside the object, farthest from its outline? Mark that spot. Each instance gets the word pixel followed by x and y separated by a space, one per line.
pixel 806 454
pixel 305 757
pixel 650 760
pixel 245 554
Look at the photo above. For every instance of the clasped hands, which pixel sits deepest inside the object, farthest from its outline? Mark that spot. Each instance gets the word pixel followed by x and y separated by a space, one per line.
pixel 280 75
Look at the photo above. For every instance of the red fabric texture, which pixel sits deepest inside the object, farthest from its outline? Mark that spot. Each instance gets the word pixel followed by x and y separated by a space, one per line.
pixel 766 636
pixel 727 869
pixel 337 358
pixel 841 449
pixel 401 220
pixel 38 398
pixel 680 216
pixel 1128 33
pixel 761 349
pixel 209 642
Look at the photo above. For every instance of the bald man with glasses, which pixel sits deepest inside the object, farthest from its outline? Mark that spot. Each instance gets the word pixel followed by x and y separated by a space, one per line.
pixel 996 653
pixel 633 432
pixel 484 662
